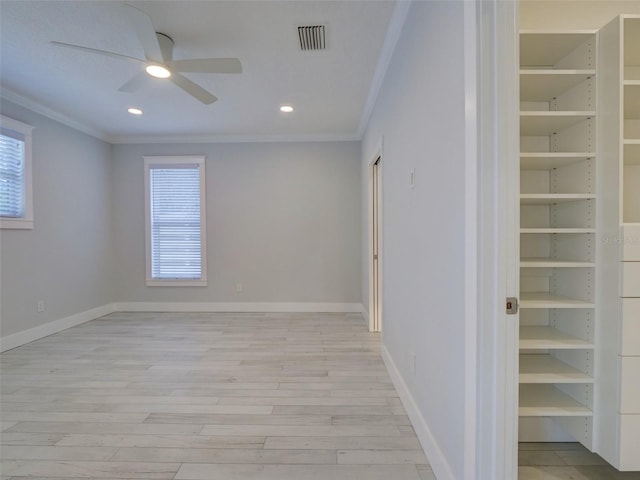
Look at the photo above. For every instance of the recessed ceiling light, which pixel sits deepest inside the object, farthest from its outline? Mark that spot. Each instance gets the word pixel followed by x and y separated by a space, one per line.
pixel 134 111
pixel 158 71
pixel 286 108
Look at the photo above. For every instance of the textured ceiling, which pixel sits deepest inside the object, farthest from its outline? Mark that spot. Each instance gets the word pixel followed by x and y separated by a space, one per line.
pixel 329 89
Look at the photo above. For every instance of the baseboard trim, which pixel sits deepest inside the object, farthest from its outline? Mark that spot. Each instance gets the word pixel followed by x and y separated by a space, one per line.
pixel 27 336
pixel 240 307
pixel 436 458
pixel 22 338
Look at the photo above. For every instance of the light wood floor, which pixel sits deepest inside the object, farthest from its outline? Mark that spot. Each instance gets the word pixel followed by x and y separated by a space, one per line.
pixel 206 396
pixel 222 396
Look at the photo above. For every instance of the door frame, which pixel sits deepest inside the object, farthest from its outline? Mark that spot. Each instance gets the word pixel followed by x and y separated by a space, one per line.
pixel 375 287
pixel 498 237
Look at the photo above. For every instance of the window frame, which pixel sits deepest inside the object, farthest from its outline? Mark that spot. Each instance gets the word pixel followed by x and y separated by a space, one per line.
pixel 179 161
pixel 26 221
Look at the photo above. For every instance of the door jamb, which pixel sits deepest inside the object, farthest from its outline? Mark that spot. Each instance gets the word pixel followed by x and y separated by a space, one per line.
pixel 373 309
pixel 499 177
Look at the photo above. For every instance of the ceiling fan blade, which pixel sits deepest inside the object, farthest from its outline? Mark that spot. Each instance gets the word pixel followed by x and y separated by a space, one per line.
pixel 146 33
pixel 95 50
pixel 192 89
pixel 207 65
pixel 135 83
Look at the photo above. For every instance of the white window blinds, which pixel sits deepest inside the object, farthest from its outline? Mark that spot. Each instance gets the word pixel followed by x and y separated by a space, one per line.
pixel 12 174
pixel 175 219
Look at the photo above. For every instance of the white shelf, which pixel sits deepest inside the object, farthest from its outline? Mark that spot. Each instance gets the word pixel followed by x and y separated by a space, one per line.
pixel 551 160
pixel 553 198
pixel 548 401
pixel 632 100
pixel 548 369
pixel 543 338
pixel 631 153
pixel 557 230
pixel 631 40
pixel 632 73
pixel 544 85
pixel 553 263
pixel 545 49
pixel 550 300
pixel 545 123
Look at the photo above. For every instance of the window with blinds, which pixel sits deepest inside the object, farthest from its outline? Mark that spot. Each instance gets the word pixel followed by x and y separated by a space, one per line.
pixel 12 174
pixel 15 174
pixel 175 220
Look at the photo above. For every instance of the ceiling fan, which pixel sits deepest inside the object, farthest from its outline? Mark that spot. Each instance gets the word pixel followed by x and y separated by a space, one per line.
pixel 159 62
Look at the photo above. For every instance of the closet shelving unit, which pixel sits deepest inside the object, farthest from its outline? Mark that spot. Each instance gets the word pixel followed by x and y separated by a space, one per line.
pixel 619 352
pixel 557 234
pixel 631 112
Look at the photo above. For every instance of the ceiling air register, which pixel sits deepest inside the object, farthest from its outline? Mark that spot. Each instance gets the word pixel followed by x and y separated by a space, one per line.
pixel 312 37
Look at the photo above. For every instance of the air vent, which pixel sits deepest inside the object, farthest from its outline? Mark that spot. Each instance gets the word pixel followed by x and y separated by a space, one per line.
pixel 312 37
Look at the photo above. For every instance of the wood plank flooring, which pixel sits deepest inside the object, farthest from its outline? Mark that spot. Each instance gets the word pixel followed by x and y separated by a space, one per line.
pixel 206 396
pixel 222 396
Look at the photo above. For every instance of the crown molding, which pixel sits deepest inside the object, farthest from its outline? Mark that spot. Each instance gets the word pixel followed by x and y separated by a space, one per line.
pixel 249 138
pixel 41 109
pixel 398 18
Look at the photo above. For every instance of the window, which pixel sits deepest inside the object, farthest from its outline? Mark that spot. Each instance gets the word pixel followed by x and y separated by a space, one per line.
pixel 16 204
pixel 175 221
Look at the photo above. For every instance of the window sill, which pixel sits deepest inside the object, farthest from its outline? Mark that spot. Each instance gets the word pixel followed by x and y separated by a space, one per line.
pixel 16 224
pixel 176 283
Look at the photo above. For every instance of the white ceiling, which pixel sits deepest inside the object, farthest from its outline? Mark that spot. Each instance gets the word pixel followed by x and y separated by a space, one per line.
pixel 331 90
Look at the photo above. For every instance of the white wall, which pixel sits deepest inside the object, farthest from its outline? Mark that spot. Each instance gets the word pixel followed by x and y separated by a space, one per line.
pixel 66 260
pixel 283 220
pixel 420 112
pixel 572 14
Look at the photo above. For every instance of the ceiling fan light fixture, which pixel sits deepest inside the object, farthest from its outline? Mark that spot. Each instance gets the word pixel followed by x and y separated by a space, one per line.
pixel 158 59
pixel 286 108
pixel 158 71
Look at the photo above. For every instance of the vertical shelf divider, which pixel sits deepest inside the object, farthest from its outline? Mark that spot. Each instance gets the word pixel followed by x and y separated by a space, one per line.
pixel 617 415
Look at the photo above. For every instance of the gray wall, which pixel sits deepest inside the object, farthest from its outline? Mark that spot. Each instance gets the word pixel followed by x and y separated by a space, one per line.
pixel 66 260
pixel 420 112
pixel 283 220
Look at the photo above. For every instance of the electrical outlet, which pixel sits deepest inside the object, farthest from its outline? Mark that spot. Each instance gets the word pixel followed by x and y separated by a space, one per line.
pixel 40 306
pixel 238 287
